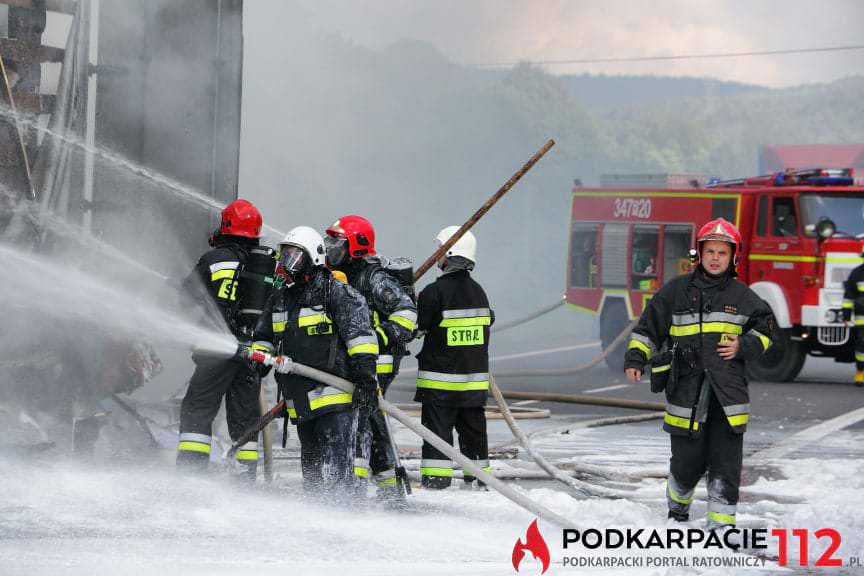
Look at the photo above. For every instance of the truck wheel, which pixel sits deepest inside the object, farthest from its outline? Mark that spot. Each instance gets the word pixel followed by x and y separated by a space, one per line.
pixel 613 320
pixel 782 362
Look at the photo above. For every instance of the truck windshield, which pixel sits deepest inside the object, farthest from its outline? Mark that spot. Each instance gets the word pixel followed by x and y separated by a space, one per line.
pixel 847 212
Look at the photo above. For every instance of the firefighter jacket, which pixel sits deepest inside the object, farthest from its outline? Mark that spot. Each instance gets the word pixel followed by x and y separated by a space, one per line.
pixel 453 366
pixel 853 296
pixel 689 316
pixel 216 277
pixel 394 314
pixel 323 324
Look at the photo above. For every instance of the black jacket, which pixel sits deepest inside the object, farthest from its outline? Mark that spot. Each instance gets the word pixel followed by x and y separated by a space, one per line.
pixel 394 314
pixel 212 285
pixel 853 296
pixel 454 361
pixel 323 324
pixel 691 313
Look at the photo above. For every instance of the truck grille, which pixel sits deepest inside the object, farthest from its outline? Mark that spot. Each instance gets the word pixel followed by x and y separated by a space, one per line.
pixel 833 335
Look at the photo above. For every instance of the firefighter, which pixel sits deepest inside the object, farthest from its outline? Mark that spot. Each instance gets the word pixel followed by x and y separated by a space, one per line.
pixel 697 332
pixel 853 303
pixel 350 247
pixel 453 376
pixel 215 283
pixel 323 323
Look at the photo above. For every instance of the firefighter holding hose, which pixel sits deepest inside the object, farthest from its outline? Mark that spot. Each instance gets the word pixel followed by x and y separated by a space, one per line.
pixel 231 284
pixel 696 333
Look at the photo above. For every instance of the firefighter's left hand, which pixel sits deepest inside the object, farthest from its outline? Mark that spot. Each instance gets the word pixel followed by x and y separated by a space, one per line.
pixel 729 349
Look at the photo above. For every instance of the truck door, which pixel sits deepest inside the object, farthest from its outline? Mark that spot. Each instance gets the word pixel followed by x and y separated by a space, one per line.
pixel 776 254
pixel 677 241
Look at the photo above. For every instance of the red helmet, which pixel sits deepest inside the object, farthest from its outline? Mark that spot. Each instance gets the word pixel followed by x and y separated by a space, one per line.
pixel 241 218
pixel 359 233
pixel 721 230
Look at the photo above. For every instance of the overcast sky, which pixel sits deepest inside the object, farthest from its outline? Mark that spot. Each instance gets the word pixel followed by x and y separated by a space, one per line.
pixel 483 31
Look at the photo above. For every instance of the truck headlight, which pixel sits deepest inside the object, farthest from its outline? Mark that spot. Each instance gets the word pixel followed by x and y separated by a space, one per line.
pixel 831 316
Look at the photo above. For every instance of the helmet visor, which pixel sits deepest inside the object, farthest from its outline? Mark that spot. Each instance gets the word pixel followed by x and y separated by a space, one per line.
pixel 292 259
pixel 337 251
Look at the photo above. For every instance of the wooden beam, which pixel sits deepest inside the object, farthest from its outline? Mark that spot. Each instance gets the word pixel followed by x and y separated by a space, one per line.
pixel 30 103
pixel 18 51
pixel 63 6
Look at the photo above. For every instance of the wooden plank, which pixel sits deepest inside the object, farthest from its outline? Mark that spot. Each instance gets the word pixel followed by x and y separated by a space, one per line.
pixel 18 51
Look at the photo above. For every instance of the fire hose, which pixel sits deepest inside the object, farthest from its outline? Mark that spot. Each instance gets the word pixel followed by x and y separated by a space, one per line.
pixel 287 366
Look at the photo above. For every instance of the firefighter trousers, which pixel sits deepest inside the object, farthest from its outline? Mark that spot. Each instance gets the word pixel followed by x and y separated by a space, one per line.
pixel 239 383
pixel 374 448
pixel 859 348
pixel 719 451
pixel 436 469
pixel 327 444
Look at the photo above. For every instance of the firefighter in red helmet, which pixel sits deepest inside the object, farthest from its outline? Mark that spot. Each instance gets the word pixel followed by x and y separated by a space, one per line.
pixel 224 279
pixel 387 287
pixel 696 334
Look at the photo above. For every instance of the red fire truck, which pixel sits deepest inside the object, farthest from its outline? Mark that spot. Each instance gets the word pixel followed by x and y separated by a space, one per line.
pixel 803 232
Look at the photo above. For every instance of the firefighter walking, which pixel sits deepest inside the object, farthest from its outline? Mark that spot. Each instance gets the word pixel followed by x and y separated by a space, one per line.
pixel 350 244
pixel 216 285
pixel 697 332
pixel 853 310
pixel 453 376
pixel 322 323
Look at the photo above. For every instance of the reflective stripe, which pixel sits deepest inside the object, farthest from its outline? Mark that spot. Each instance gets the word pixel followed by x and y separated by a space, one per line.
pixel 848 304
pixel 639 346
pixel 859 356
pixel 322 396
pixel 707 327
pixel 362 345
pixel 726 317
pixel 310 317
pixel 465 313
pixel 193 437
pixel 384 364
pixel 452 382
pixel 405 318
pixel 225 265
pixel 383 335
pixel 783 258
pixel 679 410
pixel 361 467
pixel 658 369
pixel 739 420
pixel 430 467
pixel 222 275
pixel 280 320
pixel 246 455
pixel 185 446
pixel 292 413
pixel 385 478
pixel 686 500
pixel 464 322
pixel 859 321
pixel 860 286
pixel 737 409
pixel 682 319
pixel 766 342
pixel 679 422
pixel 721 518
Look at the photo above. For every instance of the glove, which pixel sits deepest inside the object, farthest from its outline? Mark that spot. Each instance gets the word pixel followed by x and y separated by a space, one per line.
pixel 366 397
pixel 282 364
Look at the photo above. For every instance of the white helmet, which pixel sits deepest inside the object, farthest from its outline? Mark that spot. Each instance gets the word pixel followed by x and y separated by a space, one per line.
pixel 466 246
pixel 308 240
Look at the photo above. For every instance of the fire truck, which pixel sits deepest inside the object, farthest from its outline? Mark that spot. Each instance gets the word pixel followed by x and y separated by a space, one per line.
pixel 802 234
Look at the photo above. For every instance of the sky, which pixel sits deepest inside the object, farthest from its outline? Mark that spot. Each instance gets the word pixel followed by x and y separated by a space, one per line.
pixel 491 31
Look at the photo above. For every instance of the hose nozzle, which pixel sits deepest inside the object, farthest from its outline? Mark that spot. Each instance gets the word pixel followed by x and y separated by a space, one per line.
pixel 257 356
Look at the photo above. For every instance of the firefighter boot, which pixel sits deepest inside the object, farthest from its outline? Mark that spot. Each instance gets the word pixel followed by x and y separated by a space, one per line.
pixel 859 378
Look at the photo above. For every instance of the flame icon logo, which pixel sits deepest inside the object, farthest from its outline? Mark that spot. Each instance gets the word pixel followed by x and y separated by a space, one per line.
pixel 534 543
